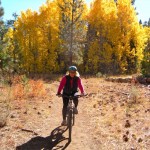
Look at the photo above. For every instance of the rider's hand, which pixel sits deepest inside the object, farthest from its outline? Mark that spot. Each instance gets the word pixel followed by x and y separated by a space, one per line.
pixel 58 94
pixel 83 94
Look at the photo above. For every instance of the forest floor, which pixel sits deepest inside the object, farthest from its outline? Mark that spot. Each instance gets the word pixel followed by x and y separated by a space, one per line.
pixel 115 116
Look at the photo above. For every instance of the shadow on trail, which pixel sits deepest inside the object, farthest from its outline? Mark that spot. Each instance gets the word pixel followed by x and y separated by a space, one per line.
pixel 52 142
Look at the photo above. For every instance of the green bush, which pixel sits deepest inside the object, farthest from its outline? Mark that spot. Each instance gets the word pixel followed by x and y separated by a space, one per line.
pixel 99 75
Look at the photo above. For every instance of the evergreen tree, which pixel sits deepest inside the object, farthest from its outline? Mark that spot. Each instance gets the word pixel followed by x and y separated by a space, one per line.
pixel 72 30
pixel 1 13
pixel 1 23
pixel 140 22
pixel 148 23
pixel 2 29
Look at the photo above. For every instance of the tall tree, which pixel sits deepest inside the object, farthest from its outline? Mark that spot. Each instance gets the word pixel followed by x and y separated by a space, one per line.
pixel 49 28
pixel 72 29
pixel 118 39
pixel 1 13
pixel 102 35
pixel 146 60
pixel 149 22
pixel 1 22
pixel 133 37
pixel 37 35
pixel 2 32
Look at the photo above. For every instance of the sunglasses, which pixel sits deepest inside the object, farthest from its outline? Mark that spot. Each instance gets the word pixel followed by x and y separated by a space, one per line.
pixel 72 72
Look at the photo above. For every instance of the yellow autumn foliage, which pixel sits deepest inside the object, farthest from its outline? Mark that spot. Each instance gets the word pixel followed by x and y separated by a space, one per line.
pixel 106 38
pixel 120 37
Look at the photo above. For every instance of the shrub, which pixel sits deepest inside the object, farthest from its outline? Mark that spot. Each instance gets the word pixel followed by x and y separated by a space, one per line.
pixel 27 88
pixel 99 75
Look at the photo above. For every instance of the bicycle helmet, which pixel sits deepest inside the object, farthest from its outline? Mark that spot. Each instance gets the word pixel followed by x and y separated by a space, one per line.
pixel 72 68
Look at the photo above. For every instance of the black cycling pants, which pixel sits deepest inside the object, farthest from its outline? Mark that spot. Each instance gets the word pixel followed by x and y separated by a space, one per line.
pixel 65 104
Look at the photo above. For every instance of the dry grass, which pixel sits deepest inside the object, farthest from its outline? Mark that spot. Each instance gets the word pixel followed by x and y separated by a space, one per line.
pixel 19 95
pixel 27 88
pixel 4 104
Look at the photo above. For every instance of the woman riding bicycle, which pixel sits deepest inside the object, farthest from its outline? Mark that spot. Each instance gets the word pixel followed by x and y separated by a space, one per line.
pixel 70 84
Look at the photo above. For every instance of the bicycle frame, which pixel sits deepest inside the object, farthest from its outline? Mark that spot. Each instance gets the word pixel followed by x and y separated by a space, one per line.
pixel 70 112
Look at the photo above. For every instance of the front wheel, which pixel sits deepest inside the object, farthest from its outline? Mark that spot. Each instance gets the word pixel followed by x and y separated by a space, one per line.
pixel 73 119
pixel 70 123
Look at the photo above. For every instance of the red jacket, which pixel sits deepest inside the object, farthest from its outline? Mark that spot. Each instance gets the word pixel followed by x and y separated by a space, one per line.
pixel 64 82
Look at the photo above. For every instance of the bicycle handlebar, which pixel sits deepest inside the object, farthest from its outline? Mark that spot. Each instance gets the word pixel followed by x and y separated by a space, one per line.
pixel 76 96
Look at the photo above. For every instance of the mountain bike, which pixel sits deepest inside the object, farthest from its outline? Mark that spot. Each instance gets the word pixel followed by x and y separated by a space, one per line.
pixel 70 116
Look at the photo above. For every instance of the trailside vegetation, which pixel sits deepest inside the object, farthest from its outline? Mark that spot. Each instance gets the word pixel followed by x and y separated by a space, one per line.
pixel 105 38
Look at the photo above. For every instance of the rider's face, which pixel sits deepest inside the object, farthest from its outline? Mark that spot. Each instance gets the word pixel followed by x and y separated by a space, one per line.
pixel 72 73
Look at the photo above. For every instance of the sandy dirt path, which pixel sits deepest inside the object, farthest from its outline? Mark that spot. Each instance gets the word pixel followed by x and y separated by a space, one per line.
pixel 108 119
pixel 51 135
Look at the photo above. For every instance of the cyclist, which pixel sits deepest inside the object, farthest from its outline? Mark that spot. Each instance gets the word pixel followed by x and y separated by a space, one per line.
pixel 70 84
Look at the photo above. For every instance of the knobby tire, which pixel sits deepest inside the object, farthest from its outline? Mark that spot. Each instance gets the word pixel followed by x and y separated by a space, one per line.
pixel 73 119
pixel 70 124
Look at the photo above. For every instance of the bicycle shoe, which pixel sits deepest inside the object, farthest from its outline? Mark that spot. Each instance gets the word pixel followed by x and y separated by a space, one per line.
pixel 64 123
pixel 75 110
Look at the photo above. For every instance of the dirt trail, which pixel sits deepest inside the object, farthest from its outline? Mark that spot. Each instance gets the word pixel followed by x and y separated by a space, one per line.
pixel 39 127
pixel 100 124
pixel 81 138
